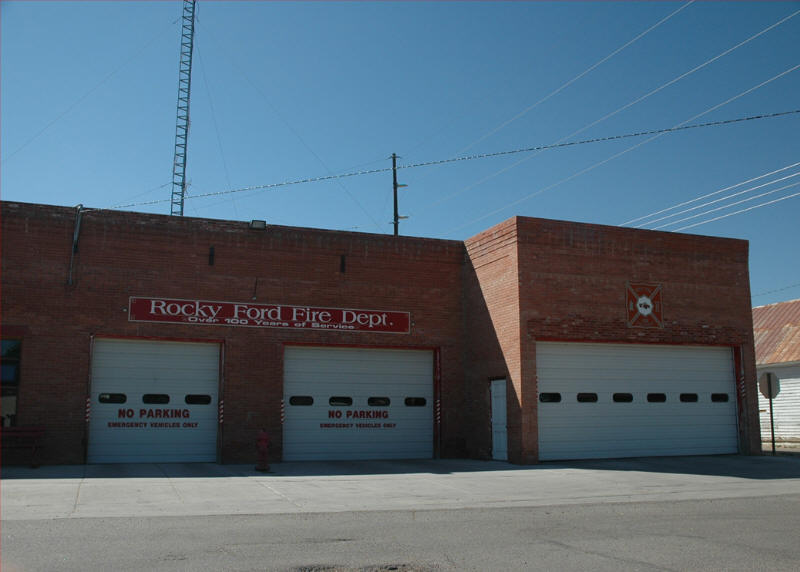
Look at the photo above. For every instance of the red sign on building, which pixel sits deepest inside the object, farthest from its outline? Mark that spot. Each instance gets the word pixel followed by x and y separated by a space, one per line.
pixel 266 315
pixel 644 306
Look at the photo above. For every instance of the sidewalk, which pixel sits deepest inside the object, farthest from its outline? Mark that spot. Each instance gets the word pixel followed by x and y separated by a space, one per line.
pixel 781 448
pixel 85 491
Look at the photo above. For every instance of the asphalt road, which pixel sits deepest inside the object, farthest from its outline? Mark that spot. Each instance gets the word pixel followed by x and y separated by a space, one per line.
pixel 731 534
pixel 709 513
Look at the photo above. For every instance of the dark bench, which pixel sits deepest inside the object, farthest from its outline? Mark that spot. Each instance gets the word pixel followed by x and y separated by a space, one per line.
pixel 23 438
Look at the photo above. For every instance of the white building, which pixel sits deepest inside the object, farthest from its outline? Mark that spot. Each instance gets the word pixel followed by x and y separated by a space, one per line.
pixel 777 339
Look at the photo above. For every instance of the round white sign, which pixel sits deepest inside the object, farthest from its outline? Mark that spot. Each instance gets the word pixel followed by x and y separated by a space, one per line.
pixel 645 305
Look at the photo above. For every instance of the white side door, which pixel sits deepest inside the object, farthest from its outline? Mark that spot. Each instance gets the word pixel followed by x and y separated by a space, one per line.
pixel 499 418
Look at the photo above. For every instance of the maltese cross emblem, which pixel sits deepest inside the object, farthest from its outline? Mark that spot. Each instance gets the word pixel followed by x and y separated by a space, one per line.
pixel 643 305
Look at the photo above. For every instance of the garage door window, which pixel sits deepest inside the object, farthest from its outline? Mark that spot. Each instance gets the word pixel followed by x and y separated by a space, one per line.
pixel 301 400
pixel 415 401
pixel 587 398
pixel 719 397
pixel 656 397
pixel 155 398
pixel 549 397
pixel 112 398
pixel 378 401
pixel 340 401
pixel 623 397
pixel 688 397
pixel 197 399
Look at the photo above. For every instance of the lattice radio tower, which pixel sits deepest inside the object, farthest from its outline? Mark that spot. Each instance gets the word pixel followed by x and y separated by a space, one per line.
pixel 182 123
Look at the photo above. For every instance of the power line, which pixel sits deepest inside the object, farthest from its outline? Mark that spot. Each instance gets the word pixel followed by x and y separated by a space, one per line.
pixel 541 148
pixel 556 91
pixel 679 127
pixel 725 198
pixel 620 109
pixel 789 287
pixel 216 126
pixel 693 70
pixel 296 134
pixel 772 202
pixel 268 186
pixel 705 196
pixel 94 88
pixel 725 206
pixel 629 149
pixel 256 191
pixel 147 192
pixel 482 156
pixel 577 77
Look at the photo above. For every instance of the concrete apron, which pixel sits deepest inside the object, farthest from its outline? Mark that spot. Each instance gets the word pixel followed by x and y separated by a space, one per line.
pixel 85 491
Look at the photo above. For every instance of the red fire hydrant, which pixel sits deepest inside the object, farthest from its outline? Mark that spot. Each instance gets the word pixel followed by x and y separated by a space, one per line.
pixel 262 444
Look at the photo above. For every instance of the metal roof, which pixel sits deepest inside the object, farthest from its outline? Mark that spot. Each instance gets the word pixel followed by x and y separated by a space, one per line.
pixel 777 332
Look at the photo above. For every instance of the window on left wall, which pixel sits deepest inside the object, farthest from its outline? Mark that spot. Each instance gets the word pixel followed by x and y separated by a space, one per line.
pixel 10 388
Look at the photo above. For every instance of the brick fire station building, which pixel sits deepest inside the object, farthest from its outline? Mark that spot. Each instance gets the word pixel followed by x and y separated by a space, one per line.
pixel 145 338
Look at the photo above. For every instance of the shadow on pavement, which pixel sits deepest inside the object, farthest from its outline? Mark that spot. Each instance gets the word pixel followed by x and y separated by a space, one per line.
pixel 287 469
pixel 739 466
pixel 765 467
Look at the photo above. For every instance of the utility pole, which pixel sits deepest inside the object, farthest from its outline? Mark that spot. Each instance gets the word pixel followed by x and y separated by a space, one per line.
pixel 182 122
pixel 395 186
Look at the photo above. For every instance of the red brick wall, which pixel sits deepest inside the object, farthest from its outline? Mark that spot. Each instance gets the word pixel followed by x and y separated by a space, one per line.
pixel 127 254
pixel 572 279
pixel 495 344
pixel 482 308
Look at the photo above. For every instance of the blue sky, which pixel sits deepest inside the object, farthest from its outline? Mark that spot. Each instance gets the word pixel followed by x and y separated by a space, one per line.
pixel 288 91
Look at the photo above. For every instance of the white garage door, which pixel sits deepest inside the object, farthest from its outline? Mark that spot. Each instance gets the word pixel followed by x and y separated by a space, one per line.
pixel 624 400
pixel 153 401
pixel 346 403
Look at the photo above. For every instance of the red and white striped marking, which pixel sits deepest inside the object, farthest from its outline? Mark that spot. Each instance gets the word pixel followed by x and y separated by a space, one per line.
pixel 283 411
pixel 221 410
pixel 88 408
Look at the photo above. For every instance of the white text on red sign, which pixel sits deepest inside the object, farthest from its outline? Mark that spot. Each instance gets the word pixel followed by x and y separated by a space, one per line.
pixel 267 315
